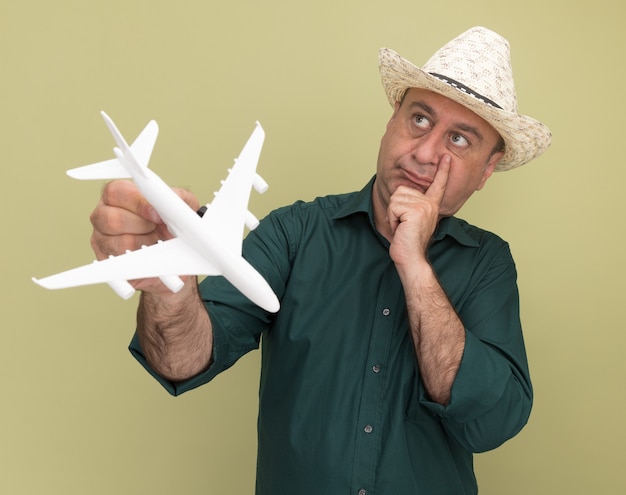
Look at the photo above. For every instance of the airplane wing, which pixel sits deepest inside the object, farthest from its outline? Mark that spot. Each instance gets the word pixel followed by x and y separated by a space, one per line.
pixel 166 258
pixel 227 212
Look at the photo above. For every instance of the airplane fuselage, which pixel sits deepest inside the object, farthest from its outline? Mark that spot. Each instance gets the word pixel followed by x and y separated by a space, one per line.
pixel 184 223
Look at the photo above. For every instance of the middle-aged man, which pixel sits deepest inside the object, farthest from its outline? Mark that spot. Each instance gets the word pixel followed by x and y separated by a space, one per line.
pixel 397 352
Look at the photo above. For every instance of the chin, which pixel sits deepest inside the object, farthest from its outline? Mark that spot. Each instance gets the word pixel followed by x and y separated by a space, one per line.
pixel 409 183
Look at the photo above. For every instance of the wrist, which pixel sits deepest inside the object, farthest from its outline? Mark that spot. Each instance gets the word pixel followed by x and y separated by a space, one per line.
pixel 417 272
pixel 165 304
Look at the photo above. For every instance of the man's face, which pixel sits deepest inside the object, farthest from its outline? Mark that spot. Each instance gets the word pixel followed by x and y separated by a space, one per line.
pixel 424 128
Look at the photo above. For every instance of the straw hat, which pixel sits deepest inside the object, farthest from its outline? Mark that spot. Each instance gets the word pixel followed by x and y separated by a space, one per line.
pixel 474 69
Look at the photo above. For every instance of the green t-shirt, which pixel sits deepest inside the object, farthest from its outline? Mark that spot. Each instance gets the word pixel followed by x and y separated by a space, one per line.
pixel 342 407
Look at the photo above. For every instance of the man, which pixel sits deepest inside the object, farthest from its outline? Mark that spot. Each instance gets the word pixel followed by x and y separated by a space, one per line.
pixel 397 352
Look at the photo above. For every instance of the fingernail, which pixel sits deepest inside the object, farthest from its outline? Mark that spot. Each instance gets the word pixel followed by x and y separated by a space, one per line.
pixel 154 215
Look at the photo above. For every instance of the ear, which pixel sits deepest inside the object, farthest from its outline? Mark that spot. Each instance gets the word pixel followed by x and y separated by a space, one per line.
pixel 393 115
pixel 490 166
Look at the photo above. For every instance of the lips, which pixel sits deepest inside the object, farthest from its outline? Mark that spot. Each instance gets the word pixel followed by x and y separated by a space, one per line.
pixel 416 181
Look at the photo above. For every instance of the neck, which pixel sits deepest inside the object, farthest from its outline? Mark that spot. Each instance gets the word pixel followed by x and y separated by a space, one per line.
pixel 380 215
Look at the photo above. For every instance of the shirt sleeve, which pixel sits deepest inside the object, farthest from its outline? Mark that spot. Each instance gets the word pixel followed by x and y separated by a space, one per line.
pixel 229 344
pixel 492 395
pixel 236 321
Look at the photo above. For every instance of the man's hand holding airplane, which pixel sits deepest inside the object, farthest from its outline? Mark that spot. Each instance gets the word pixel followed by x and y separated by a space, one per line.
pixel 124 220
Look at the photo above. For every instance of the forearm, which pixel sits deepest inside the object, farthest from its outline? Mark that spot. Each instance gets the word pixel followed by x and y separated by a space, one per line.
pixel 175 333
pixel 438 333
pixel 492 398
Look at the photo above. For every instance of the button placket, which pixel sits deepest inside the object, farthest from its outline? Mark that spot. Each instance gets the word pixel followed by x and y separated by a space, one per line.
pixel 371 412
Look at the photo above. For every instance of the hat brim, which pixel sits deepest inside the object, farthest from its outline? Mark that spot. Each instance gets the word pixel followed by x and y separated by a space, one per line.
pixel 525 138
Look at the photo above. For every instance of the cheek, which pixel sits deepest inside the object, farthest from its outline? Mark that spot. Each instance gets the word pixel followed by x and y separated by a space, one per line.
pixel 466 178
pixel 458 191
pixel 382 157
pixel 386 154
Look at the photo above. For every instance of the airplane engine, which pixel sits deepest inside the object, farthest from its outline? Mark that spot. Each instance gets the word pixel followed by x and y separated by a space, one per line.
pixel 122 288
pixel 250 220
pixel 172 282
pixel 259 184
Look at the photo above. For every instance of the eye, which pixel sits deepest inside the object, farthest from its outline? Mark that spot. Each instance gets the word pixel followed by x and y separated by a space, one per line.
pixel 421 122
pixel 459 140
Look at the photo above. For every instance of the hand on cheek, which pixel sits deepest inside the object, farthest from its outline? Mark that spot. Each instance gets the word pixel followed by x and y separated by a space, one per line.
pixel 413 216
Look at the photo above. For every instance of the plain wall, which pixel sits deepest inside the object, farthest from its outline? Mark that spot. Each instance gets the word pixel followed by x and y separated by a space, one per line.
pixel 79 416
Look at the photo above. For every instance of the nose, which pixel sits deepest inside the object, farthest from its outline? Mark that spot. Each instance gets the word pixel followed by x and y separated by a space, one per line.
pixel 428 150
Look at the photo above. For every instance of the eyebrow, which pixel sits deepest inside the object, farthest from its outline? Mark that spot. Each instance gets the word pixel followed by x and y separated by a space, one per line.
pixel 459 125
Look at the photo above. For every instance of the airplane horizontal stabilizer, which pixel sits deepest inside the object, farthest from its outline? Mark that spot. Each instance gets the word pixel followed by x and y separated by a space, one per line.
pixel 107 170
pixel 140 150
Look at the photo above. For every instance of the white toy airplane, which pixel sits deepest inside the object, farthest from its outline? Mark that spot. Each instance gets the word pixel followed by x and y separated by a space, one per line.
pixel 207 245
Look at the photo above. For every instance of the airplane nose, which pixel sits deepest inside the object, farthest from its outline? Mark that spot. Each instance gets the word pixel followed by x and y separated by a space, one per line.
pixel 273 306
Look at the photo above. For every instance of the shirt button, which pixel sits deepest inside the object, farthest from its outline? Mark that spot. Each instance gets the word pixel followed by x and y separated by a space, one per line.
pixel 368 429
pixel 386 312
pixel 376 368
pixel 362 492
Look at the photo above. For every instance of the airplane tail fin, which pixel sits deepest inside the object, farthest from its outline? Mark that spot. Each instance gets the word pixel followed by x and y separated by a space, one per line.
pixel 136 156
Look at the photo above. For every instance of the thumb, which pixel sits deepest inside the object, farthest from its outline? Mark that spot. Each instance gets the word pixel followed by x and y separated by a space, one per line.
pixel 188 197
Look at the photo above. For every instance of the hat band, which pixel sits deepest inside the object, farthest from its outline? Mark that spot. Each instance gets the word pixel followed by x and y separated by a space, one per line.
pixel 465 89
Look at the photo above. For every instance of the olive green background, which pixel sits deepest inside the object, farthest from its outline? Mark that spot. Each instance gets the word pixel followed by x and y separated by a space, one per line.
pixel 79 416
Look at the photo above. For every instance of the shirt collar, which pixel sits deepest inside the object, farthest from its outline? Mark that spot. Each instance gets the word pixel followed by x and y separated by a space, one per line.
pixel 361 202
pixel 453 227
